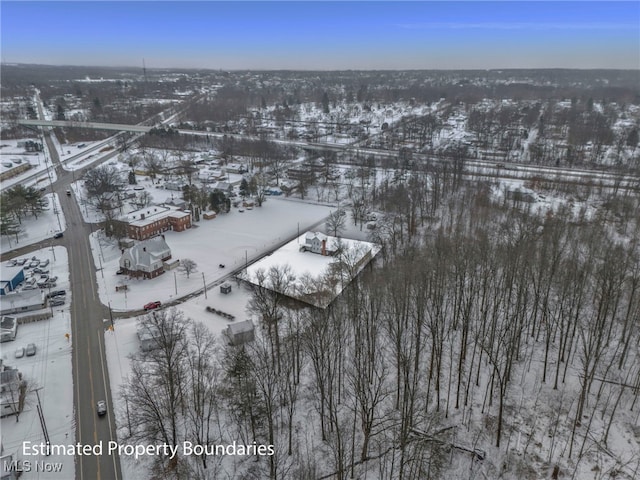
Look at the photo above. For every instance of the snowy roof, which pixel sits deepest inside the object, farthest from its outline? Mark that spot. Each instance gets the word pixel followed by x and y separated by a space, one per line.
pixel 9 273
pixel 148 215
pixel 145 252
pixel 25 298
pixel 179 214
pixel 240 327
pixel 312 278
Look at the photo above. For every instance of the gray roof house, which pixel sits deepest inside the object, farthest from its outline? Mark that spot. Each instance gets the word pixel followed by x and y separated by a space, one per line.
pixel 240 333
pixel 146 258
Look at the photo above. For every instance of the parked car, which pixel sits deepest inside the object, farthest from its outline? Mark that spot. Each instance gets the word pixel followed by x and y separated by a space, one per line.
pixel 31 350
pixel 101 408
pixel 57 301
pixel 57 293
pixel 45 263
pixel 58 235
pixel 152 305
pixel 19 352
pixel 41 271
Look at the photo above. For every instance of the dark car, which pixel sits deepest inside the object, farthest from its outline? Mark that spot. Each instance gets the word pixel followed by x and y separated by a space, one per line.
pixel 58 235
pixel 57 301
pixel 57 293
pixel 31 350
pixel 101 408
pixel 152 305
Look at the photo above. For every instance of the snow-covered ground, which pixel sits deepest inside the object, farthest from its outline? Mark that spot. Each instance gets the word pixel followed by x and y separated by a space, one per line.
pixel 34 230
pixel 229 239
pixel 49 372
pixel 302 265
pixel 36 176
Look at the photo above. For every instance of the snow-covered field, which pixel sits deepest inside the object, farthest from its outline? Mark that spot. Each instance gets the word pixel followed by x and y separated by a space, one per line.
pixel 229 239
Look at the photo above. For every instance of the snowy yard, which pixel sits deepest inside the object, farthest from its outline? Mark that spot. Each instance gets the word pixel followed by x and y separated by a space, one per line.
pixel 229 239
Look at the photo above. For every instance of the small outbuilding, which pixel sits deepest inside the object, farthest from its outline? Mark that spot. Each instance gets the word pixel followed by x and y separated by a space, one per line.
pixel 225 288
pixel 240 333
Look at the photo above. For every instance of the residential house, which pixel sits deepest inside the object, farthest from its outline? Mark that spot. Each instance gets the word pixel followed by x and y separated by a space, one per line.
pixel 10 390
pixel 225 187
pixel 146 258
pixel 320 243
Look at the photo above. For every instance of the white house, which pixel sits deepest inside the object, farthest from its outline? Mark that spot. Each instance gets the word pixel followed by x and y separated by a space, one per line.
pixel 320 243
pixel 146 258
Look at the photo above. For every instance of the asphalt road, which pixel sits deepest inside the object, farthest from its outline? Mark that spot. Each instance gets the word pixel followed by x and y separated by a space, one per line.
pixel 90 374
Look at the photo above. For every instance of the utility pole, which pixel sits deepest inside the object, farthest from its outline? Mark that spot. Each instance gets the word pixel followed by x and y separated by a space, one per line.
pixel 45 432
pixel 204 284
pixel 111 316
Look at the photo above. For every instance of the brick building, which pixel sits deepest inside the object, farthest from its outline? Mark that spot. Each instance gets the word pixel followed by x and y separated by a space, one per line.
pixel 151 221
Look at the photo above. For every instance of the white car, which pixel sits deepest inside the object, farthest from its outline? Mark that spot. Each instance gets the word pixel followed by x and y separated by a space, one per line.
pixel 19 352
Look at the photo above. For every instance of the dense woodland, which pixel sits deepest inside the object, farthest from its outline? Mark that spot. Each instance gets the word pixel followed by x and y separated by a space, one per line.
pixel 486 340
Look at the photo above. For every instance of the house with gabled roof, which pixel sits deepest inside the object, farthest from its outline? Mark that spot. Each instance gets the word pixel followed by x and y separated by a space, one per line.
pixel 146 259
pixel 320 243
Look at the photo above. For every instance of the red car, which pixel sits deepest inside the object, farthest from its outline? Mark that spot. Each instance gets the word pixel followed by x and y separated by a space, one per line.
pixel 152 305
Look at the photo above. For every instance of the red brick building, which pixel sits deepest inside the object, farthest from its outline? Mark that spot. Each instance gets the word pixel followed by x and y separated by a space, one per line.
pixel 153 220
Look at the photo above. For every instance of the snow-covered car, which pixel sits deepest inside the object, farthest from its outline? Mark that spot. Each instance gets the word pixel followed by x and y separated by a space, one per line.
pixel 19 352
pixel 31 350
pixel 101 408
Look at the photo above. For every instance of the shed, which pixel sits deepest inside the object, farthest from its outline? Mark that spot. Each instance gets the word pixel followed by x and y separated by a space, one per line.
pixel 209 215
pixel 240 333
pixel 147 335
pixel 225 288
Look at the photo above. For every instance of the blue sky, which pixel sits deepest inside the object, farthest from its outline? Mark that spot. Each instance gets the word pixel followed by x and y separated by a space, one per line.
pixel 323 35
